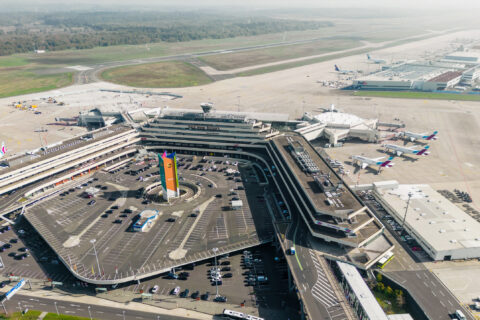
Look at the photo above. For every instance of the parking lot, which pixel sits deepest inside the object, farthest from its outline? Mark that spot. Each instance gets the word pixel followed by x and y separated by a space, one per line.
pixel 410 245
pixel 72 223
pixel 270 293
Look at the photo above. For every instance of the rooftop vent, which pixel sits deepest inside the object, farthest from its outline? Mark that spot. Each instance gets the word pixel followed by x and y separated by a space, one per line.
pixel 442 231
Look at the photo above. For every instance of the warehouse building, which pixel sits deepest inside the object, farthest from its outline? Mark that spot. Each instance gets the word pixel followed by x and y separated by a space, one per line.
pixel 443 230
pixel 420 76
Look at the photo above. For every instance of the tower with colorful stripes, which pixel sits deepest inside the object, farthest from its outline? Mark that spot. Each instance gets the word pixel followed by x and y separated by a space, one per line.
pixel 169 175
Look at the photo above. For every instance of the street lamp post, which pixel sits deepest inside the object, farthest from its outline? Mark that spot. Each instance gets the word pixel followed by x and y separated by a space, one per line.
pixel 96 256
pixel 215 257
pixel 406 210
pixel 20 307
pixel 89 313
pixel 55 302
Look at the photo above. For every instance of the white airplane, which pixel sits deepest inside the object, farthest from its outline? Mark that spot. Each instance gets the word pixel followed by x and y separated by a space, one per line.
pixel 343 71
pixel 364 162
pixel 3 150
pixel 376 61
pixel 419 136
pixel 401 150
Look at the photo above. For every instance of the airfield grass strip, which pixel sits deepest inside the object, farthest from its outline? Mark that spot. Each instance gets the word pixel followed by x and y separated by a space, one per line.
pixel 305 62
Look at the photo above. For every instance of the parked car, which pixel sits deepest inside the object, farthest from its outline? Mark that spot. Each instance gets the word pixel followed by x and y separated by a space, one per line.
pixel 155 289
pixel 185 293
pixel 195 295
pixel 175 291
pixel 220 299
pixel 206 296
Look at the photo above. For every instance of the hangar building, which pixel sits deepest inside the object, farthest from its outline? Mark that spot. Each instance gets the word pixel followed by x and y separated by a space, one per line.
pixel 441 228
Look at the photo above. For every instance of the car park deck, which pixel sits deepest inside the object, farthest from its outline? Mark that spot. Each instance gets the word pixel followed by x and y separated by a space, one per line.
pixel 69 224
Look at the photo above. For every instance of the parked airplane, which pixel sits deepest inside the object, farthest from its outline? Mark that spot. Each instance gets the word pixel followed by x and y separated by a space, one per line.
pixel 364 162
pixel 343 71
pixel 3 150
pixel 376 61
pixel 419 136
pixel 401 150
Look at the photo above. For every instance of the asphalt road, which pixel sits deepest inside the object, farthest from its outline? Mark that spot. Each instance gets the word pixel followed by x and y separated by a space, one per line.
pixel 316 291
pixel 80 309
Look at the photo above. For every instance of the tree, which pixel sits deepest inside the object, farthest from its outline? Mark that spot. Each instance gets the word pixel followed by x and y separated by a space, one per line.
pixel 380 287
pixel 389 291
pixel 379 277
pixel 400 299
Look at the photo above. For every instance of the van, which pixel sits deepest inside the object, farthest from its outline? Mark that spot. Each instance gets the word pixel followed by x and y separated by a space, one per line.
pixel 459 314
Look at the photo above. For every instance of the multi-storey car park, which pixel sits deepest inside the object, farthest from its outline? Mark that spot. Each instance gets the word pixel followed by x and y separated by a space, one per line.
pixel 256 159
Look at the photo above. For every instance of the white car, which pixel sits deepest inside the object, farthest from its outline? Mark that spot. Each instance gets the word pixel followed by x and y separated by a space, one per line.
pixel 175 291
pixel 155 289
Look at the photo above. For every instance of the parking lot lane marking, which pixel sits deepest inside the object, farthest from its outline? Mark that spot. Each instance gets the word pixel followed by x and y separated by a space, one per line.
pixel 441 302
pixel 450 302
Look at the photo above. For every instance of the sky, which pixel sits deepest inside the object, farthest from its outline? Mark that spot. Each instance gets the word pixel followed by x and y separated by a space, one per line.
pixel 249 4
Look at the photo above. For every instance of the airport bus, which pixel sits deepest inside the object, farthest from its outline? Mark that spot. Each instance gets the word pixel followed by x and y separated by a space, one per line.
pixel 239 315
pixel 385 260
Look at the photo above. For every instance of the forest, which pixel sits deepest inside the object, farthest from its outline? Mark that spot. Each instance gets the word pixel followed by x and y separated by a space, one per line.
pixel 25 32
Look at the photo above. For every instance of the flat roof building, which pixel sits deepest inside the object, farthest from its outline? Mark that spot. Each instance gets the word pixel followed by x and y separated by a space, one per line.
pixel 145 220
pixel 358 294
pixel 441 228
pixel 334 126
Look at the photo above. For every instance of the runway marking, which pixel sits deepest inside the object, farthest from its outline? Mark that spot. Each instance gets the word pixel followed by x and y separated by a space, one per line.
pixel 296 256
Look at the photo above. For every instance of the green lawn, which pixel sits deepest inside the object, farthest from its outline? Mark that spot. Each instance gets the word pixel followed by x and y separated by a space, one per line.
pixel 34 314
pixel 168 74
pixel 20 80
pixel 30 315
pixel 12 61
pixel 228 61
pixel 388 304
pixel 54 316
pixel 418 95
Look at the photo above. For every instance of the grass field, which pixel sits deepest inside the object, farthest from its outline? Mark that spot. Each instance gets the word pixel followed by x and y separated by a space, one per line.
pixel 168 74
pixel 417 95
pixel 30 315
pixel 34 314
pixel 12 61
pixel 126 52
pixel 289 65
pixel 228 61
pixel 22 80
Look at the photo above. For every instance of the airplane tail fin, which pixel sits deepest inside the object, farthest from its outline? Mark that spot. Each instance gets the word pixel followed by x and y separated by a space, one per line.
pixel 387 163
pixel 3 150
pixel 423 152
pixel 336 68
pixel 433 136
